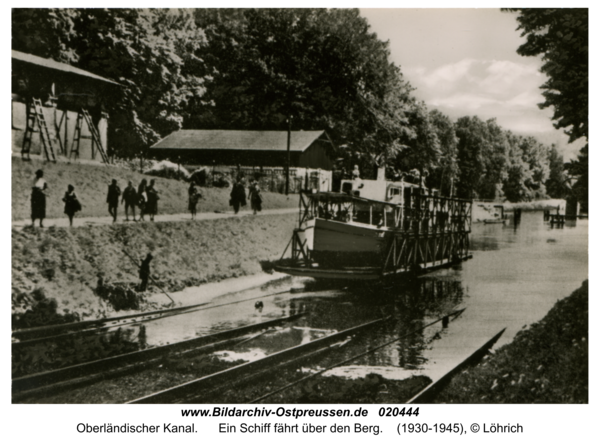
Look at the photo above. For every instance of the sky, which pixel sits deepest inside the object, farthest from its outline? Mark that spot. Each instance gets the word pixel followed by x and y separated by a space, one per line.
pixel 464 62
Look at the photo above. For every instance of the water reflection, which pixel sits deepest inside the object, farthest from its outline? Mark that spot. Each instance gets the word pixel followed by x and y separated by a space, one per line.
pixel 515 277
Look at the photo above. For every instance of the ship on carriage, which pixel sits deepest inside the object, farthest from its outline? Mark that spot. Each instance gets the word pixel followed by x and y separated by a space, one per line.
pixel 376 229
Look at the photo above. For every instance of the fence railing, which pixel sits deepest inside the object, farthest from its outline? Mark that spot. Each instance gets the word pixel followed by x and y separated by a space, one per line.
pixel 273 179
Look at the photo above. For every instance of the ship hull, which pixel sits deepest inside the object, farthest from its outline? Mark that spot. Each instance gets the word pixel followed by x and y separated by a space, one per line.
pixel 351 238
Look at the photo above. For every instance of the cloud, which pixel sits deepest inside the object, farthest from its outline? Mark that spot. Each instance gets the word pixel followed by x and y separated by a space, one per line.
pixel 464 101
pixel 498 79
pixel 501 89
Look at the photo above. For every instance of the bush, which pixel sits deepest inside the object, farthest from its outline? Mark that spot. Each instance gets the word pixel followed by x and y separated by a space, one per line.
pixel 168 170
pixel 134 164
pixel 200 177
pixel 220 181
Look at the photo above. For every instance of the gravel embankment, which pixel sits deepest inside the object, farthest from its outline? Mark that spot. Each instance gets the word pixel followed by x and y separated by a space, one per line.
pixel 64 263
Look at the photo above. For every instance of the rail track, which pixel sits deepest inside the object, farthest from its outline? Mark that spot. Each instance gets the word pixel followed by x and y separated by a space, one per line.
pixel 48 382
pixel 428 394
pixel 51 332
pixel 55 340
pixel 204 387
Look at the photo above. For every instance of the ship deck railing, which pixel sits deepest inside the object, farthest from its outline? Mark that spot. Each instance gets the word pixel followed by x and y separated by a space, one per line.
pixel 420 213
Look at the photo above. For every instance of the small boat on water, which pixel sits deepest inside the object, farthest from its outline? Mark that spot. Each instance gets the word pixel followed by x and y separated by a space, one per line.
pixel 375 229
pixel 494 221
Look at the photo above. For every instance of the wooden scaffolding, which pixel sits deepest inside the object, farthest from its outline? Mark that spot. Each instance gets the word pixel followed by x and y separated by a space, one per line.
pixel 423 232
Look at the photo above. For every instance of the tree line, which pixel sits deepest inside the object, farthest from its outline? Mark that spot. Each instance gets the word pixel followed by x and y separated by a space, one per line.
pixel 270 69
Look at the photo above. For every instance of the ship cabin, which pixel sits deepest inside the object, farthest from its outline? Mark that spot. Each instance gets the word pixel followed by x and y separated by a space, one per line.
pixel 378 203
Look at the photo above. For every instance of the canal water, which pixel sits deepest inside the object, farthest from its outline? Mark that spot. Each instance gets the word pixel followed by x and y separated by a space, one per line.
pixel 515 277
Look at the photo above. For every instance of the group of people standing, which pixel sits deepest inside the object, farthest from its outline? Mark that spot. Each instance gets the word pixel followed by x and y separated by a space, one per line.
pixel 238 196
pixel 145 197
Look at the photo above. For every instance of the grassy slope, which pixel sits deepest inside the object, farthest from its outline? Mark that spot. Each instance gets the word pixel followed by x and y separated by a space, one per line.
pixel 546 363
pixel 66 262
pixel 91 183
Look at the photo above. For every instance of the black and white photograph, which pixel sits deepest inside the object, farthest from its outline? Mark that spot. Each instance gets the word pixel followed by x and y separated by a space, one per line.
pixel 300 205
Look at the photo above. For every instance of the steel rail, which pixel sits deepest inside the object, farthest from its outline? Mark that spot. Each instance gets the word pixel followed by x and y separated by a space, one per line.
pixel 145 317
pixel 193 390
pixel 36 332
pixel 428 393
pixel 45 382
pixel 133 320
pixel 454 314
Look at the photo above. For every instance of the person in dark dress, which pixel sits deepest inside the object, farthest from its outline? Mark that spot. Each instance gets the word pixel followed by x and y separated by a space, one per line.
pixel 38 198
pixel 255 197
pixel 152 205
pixel 193 197
pixel 112 199
pixel 72 204
pixel 130 200
pixel 142 198
pixel 238 196
pixel 145 272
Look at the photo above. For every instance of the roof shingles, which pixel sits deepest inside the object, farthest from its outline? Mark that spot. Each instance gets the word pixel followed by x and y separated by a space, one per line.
pixel 58 66
pixel 238 140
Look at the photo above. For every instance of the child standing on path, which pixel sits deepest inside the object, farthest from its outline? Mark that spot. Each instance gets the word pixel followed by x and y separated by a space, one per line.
pixel 255 197
pixel 72 204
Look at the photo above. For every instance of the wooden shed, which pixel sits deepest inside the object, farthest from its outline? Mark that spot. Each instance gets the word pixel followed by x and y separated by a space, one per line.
pixel 308 149
pixel 63 91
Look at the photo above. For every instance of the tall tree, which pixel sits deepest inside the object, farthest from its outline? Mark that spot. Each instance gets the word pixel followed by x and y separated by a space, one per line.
pixel 151 53
pixel 472 146
pixel 447 173
pixel 495 159
pixel 560 36
pixel 423 151
pixel 322 67
pixel 45 32
pixel 557 184
pixel 579 171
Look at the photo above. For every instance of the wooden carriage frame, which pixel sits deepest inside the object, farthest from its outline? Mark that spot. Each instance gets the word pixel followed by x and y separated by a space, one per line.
pixel 424 232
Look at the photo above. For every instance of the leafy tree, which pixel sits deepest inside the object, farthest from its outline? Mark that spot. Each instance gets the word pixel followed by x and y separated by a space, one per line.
pixel 445 176
pixel 557 184
pixel 422 150
pixel 472 146
pixel 519 175
pixel 579 171
pixel 151 53
pixel 560 36
pixel 322 67
pixel 495 159
pixel 45 32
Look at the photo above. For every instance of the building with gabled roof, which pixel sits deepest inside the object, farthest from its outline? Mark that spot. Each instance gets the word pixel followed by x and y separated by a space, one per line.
pixel 308 149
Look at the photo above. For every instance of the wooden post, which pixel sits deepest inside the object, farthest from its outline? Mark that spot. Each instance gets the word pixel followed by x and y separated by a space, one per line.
pixel 287 170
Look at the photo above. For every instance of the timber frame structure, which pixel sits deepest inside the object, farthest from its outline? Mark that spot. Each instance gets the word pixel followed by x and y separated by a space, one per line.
pixel 423 233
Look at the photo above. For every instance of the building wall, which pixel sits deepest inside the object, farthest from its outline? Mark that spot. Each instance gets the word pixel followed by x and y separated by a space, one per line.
pixel 61 127
pixel 315 156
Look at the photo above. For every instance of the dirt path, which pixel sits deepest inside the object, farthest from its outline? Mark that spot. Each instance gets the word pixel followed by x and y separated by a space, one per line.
pixel 87 221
